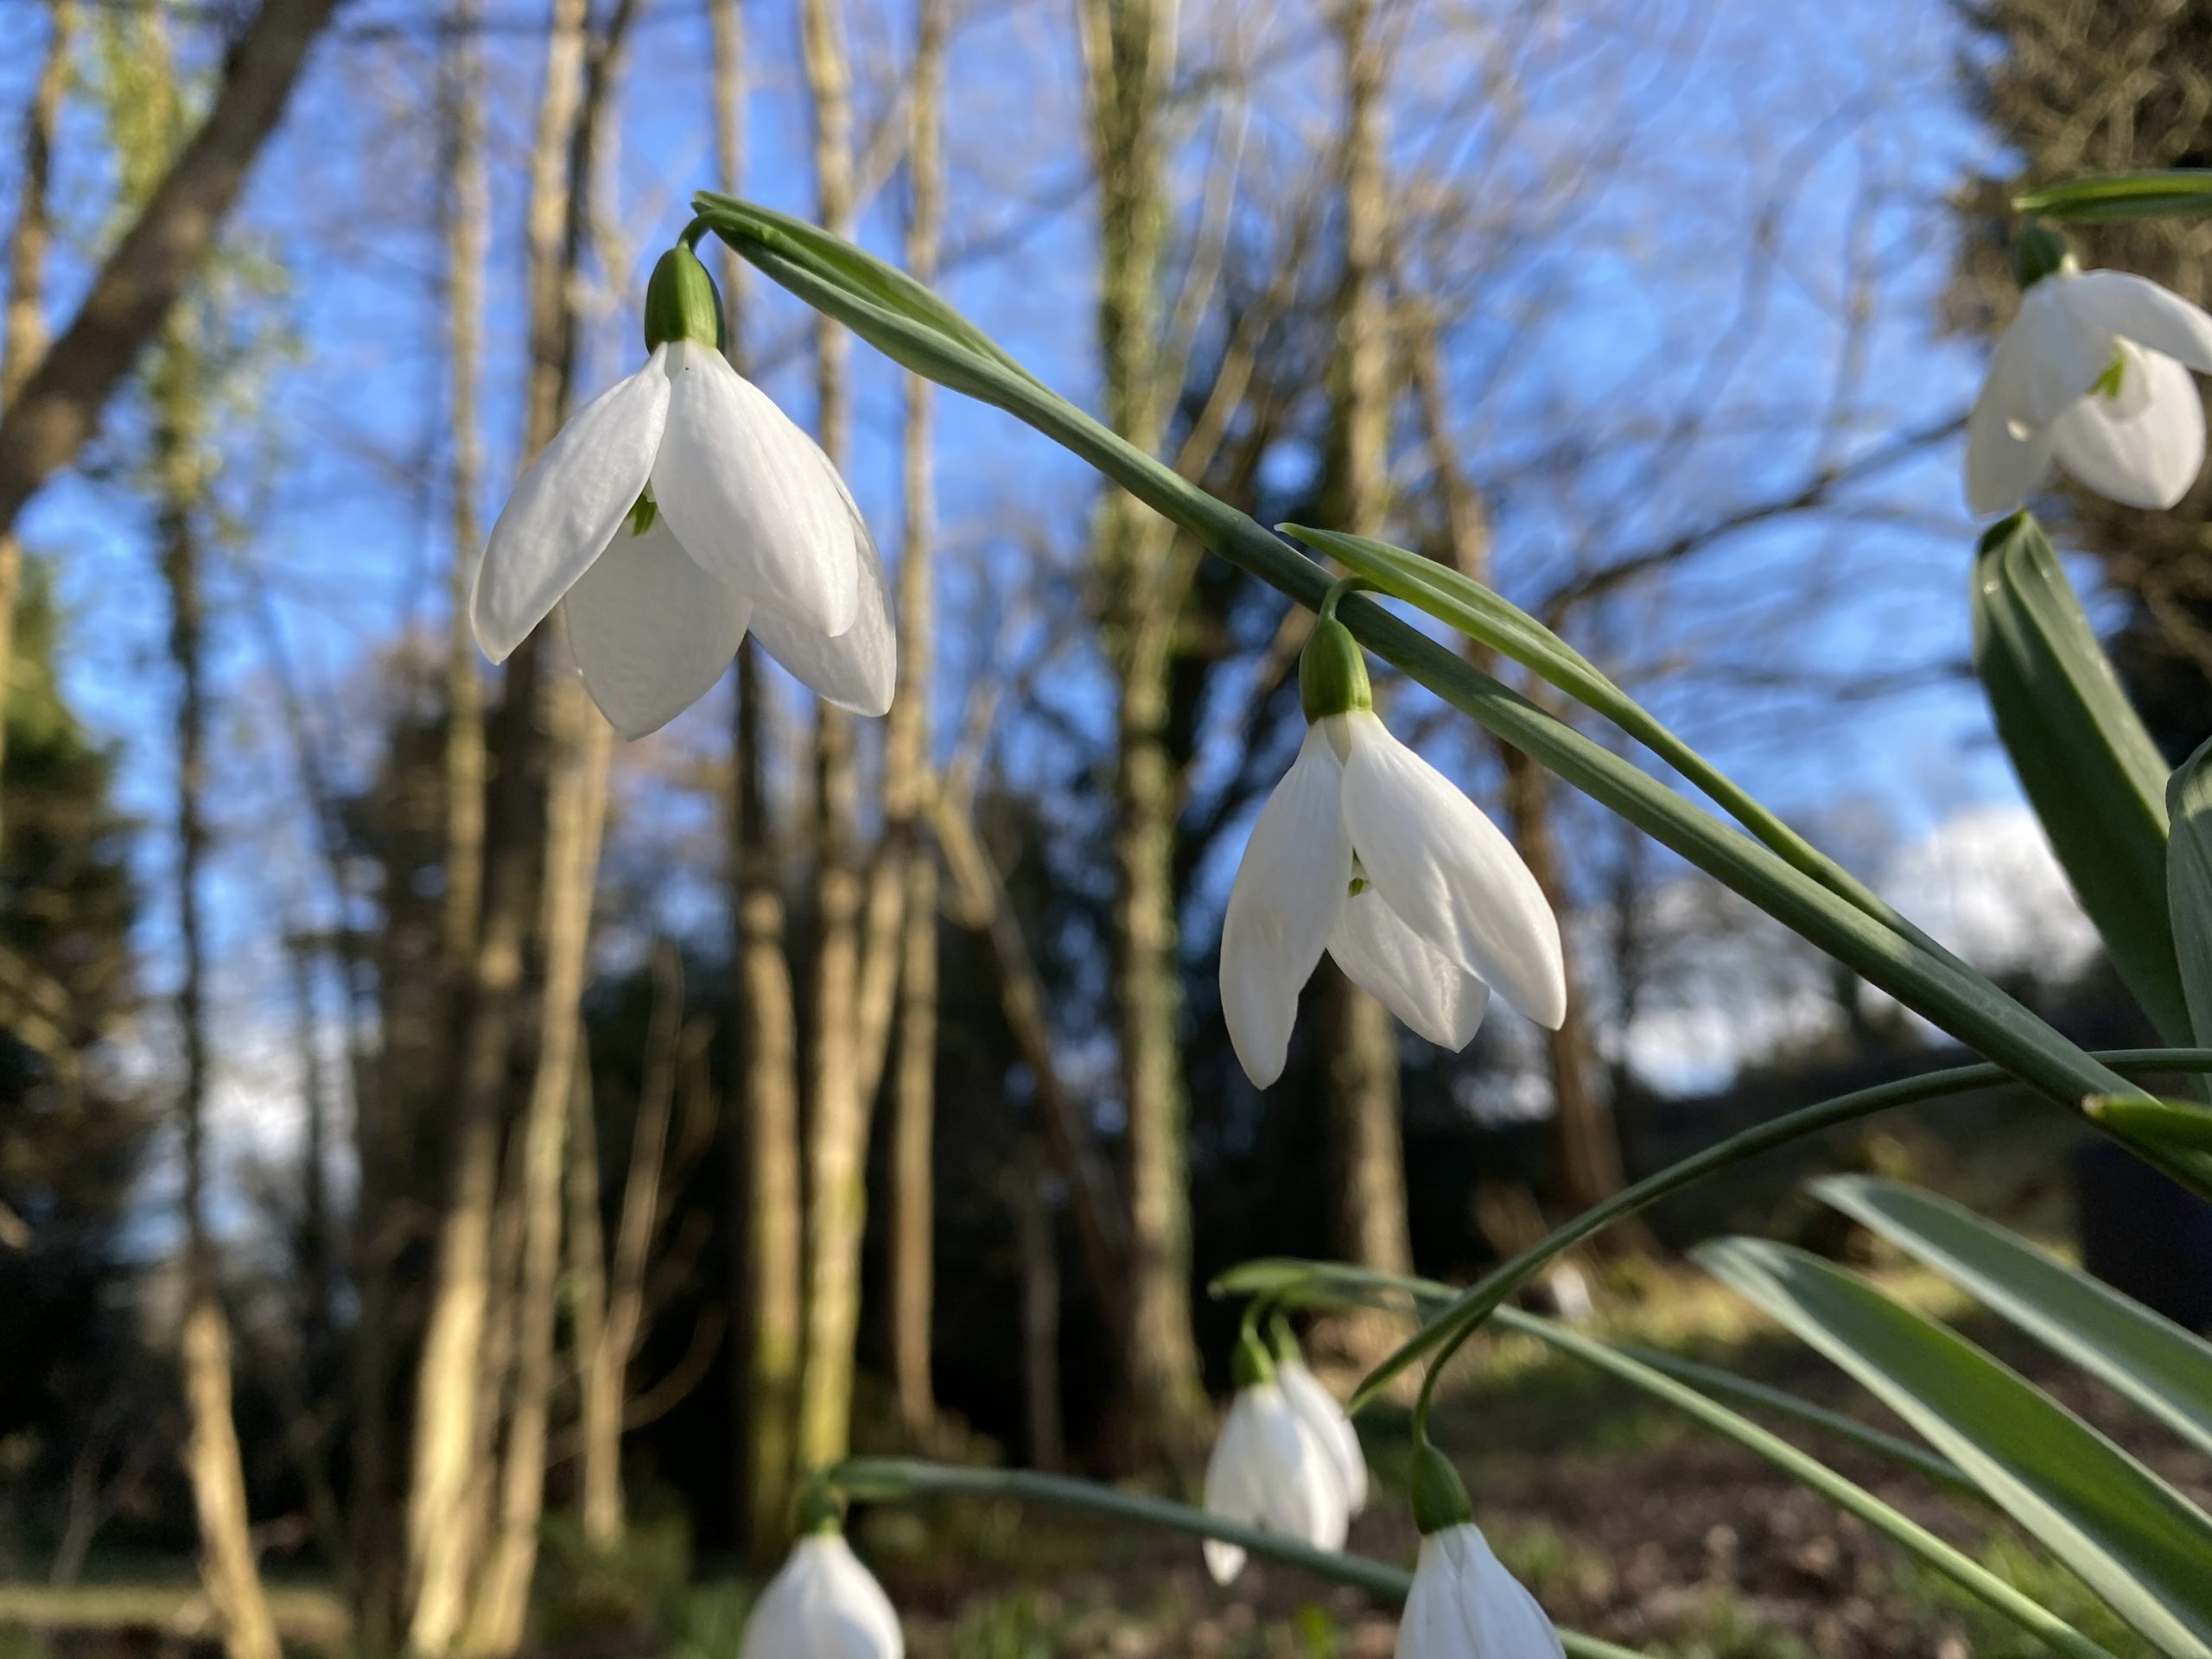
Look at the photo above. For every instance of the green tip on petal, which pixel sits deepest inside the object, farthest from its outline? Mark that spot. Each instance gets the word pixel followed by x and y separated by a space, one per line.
pixel 1250 1367
pixel 1332 672
pixel 2039 251
pixel 682 302
pixel 1439 1496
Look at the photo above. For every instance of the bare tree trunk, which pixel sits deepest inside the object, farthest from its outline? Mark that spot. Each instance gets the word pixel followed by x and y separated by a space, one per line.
pixel 468 209
pixel 1363 1074
pixel 768 1178
pixel 575 811
pixel 1040 1310
pixel 57 407
pixel 1130 59
pixel 211 1459
pixel 905 766
pixel 836 1139
pixel 315 1252
pixel 442 1555
pixel 604 1366
pixel 1586 1144
pixel 22 337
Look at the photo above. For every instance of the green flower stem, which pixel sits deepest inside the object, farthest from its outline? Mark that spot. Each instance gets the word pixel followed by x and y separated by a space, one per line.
pixel 1470 1307
pixel 883 306
pixel 878 1480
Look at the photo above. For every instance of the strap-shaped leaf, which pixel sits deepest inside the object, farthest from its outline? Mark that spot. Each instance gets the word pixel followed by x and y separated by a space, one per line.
pixel 2095 780
pixel 2162 1367
pixel 2173 1134
pixel 1803 1467
pixel 2129 1537
pixel 2185 191
pixel 2188 882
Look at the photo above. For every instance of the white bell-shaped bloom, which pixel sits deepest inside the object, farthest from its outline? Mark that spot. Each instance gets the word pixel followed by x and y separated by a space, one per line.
pixel 1367 851
pixel 1318 1410
pixel 1270 1470
pixel 745 524
pixel 822 1604
pixel 2094 371
pixel 1463 1604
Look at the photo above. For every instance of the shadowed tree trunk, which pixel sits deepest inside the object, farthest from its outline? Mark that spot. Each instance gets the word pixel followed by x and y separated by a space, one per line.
pixel 443 1552
pixel 1130 57
pixel 58 406
pixel 23 335
pixel 212 1459
pixel 1586 1145
pixel 764 1017
pixel 836 1136
pixel 1362 1066
pixel 907 760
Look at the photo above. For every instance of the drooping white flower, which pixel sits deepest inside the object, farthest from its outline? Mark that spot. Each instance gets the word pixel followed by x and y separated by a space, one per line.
pixel 1327 1422
pixel 2094 372
pixel 1368 852
pixel 672 512
pixel 822 1604
pixel 1270 1469
pixel 1463 1604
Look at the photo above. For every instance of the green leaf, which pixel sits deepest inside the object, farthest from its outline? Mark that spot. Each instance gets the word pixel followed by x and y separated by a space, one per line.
pixel 2188 882
pixel 2090 771
pixel 1809 1471
pixel 2128 1535
pixel 2174 1135
pixel 2162 1367
pixel 2122 195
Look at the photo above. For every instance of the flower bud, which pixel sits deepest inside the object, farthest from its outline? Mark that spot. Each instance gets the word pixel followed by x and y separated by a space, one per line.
pixel 681 302
pixel 2037 252
pixel 1332 672
pixel 1439 1496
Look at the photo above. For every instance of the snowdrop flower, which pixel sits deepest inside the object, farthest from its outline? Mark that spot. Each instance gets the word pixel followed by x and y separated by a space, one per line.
pixel 672 512
pixel 2094 371
pixel 1270 1469
pixel 1318 1410
pixel 823 1605
pixel 1463 1604
pixel 1367 851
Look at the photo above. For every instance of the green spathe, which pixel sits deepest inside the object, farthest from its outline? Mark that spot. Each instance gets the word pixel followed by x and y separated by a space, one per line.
pixel 1439 1496
pixel 681 302
pixel 1332 673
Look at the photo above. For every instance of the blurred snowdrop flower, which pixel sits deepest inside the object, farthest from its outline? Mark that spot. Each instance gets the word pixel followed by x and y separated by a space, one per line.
pixel 1327 1420
pixel 1463 1604
pixel 2093 373
pixel 1367 851
pixel 672 512
pixel 822 1604
pixel 1270 1469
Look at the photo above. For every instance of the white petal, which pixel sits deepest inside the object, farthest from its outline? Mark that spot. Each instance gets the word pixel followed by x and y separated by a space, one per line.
pixel 2137 309
pixel 1270 1471
pixel 822 1605
pixel 2148 461
pixel 2066 351
pixel 745 490
pixel 857 669
pixel 1415 978
pixel 1449 872
pixel 1325 1420
pixel 650 630
pixel 2008 449
pixel 1282 908
pixel 566 508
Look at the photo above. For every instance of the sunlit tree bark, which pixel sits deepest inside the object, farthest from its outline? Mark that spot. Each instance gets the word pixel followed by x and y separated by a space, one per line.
pixel 837 1134
pixel 1129 60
